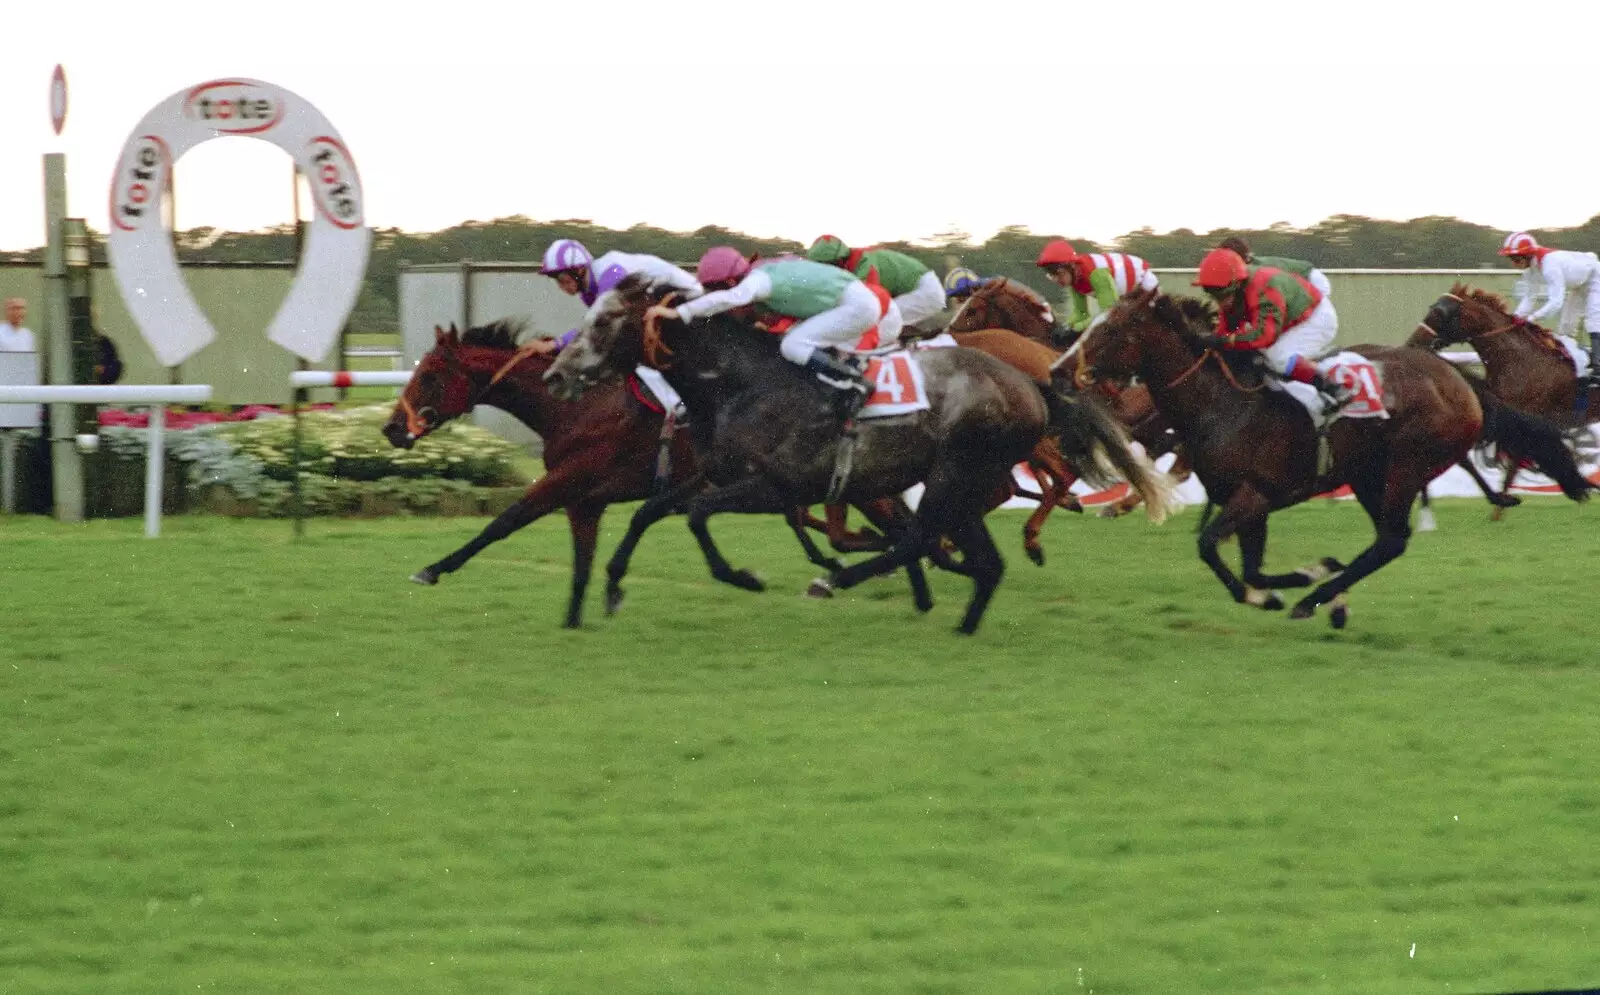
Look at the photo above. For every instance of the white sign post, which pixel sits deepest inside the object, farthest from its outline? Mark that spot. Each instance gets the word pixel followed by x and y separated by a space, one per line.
pixel 334 258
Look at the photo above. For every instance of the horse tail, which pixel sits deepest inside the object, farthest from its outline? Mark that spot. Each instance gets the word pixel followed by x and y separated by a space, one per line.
pixel 1525 436
pixel 1098 449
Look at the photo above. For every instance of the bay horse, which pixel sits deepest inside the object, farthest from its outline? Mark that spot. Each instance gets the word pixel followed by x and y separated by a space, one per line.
pixel 769 436
pixel 598 452
pixel 1006 303
pixel 1525 365
pixel 1255 450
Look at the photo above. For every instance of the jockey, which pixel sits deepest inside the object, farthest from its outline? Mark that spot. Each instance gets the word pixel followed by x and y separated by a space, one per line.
pixel 578 273
pixel 918 294
pixel 1299 267
pixel 1106 275
pixel 959 284
pixel 1568 281
pixel 1276 312
pixel 831 308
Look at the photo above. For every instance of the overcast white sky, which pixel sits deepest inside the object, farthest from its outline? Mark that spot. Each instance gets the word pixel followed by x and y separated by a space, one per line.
pixel 875 120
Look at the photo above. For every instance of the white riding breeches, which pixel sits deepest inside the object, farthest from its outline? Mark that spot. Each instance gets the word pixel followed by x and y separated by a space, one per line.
pixel 841 325
pixel 1311 338
pixel 924 301
pixel 1581 303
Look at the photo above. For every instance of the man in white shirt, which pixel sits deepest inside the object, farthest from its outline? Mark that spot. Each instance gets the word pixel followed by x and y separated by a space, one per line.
pixel 14 337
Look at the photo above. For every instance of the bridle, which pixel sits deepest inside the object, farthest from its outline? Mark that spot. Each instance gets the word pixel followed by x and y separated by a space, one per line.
pixel 421 421
pixel 1441 340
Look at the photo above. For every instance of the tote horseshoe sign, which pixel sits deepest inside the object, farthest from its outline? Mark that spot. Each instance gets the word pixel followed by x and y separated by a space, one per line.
pixel 334 256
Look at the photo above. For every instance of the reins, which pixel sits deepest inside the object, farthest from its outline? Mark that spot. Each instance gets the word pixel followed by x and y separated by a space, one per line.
pixel 656 351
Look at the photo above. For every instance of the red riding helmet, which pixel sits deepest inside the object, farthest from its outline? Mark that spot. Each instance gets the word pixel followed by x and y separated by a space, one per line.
pixel 1221 268
pixel 1057 252
pixel 1519 243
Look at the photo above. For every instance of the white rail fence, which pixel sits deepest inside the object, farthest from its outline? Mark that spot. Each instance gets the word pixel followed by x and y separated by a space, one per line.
pixel 155 396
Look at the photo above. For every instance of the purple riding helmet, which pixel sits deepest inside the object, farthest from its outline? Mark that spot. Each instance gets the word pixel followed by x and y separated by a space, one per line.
pixel 568 255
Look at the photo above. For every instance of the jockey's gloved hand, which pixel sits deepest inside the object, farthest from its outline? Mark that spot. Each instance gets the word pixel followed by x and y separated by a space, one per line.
pixel 1210 340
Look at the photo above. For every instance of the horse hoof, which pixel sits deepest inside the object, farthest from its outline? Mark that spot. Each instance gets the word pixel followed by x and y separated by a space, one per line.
pixel 1333 566
pixel 1303 610
pixel 613 600
pixel 819 588
pixel 1108 511
pixel 747 581
pixel 1508 501
pixel 1073 504
pixel 1036 554
pixel 425 577
pixel 1272 604
pixel 1338 616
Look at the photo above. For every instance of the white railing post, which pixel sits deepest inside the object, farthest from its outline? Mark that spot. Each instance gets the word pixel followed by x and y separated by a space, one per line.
pixel 154 395
pixel 155 460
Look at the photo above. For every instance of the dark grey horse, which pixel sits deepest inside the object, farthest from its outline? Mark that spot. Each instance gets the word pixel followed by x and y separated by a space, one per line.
pixel 769 436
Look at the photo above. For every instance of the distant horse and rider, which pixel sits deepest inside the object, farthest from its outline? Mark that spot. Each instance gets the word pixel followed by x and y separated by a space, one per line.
pixel 1257 451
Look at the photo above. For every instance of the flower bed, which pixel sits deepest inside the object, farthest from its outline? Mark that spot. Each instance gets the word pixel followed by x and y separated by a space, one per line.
pixel 348 468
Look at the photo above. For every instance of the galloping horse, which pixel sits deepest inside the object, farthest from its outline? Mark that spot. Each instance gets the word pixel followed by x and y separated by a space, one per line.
pixel 599 452
pixel 769 437
pixel 1005 303
pixel 1525 365
pixel 1256 451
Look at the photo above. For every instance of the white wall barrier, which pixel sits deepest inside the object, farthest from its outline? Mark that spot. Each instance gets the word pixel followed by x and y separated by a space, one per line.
pixel 301 379
pixel 153 395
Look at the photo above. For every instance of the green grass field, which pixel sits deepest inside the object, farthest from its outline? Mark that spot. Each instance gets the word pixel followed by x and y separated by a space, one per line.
pixel 233 762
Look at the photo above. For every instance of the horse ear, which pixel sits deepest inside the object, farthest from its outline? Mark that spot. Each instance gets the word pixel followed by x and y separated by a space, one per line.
pixel 438 335
pixel 455 336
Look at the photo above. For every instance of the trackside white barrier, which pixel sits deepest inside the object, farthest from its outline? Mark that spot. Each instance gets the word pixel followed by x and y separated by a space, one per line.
pixel 349 378
pixel 153 395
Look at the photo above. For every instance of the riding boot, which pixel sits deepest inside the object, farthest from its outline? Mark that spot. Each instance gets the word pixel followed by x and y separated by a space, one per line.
pixel 1594 360
pixel 851 388
pixel 1334 395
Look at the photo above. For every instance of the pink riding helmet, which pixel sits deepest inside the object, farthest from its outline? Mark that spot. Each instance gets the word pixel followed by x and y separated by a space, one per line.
pixel 565 254
pixel 721 264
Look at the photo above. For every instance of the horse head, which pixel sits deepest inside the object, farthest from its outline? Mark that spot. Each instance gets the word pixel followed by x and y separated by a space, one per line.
pixel 1118 344
pixel 1461 315
pixel 451 379
pixel 616 335
pixel 1005 303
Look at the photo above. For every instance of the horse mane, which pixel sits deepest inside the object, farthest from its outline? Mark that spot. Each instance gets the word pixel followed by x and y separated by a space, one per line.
pixel 1541 336
pixel 1487 298
pixel 505 333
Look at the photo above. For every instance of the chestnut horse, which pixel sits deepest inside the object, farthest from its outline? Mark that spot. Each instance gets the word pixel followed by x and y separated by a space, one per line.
pixel 1005 303
pixel 1256 451
pixel 1525 365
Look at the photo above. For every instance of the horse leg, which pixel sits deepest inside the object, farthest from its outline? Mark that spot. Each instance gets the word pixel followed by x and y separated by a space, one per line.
pixel 1501 503
pixel 1050 492
pixel 563 484
pixel 983 559
pixel 845 541
pixel 1243 505
pixel 892 516
pixel 649 513
pixel 584 521
pixel 798 518
pixel 1253 550
pixel 751 495
pixel 1388 504
pixel 1498 500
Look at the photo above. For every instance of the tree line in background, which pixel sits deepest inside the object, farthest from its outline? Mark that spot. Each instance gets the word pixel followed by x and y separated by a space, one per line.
pixel 1339 242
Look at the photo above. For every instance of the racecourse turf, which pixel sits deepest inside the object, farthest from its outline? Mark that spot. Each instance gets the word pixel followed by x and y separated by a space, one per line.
pixel 230 761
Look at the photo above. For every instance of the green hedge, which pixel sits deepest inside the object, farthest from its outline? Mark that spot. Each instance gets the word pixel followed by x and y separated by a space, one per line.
pixel 348 468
